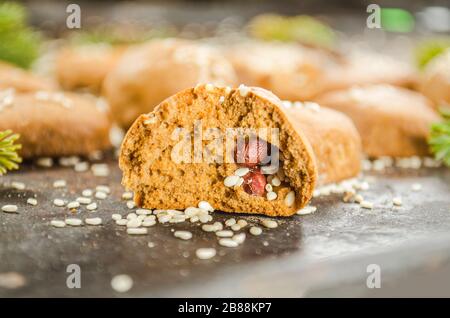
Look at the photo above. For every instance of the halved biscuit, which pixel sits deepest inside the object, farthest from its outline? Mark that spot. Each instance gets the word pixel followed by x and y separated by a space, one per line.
pixel 171 163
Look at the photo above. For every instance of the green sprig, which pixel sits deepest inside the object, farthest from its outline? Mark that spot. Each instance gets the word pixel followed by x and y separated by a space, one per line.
pixel 440 138
pixel 9 158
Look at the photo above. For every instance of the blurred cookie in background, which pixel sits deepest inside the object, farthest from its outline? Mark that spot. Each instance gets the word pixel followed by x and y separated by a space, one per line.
pixel 149 73
pixel 20 80
pixel 392 121
pixel 55 124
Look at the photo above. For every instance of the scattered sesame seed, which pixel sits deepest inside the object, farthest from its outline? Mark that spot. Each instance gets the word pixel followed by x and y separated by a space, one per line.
pixel 239 238
pixel 68 161
pixel 9 208
pixel 359 198
pixel 103 188
pixel 307 210
pixel 143 212
pixel 59 202
pixel 268 187
pixel 289 199
pixel 236 227
pixel 255 230
pixel 271 196
pixel 416 187
pixel 191 211
pixel 397 201
pixel 230 222
pixel 231 181
pixel 87 193
pixel 18 185
pixel 269 169
pixel 241 172
pixel 366 204
pixel 224 233
pixel 131 204
pixel 205 253
pixel 93 221
pixel 59 184
pixel 127 195
pixel 32 201
pixel 81 166
pixel 270 224
pixel 228 242
pixel 101 195
pixel 122 283
pixel 73 205
pixel 151 244
pixel 73 222
pixel 184 235
pixel 134 222
pixel 148 222
pixel 100 169
pixel 45 162
pixel 276 181
pixel 83 200
pixel 92 206
pixel 116 216
pixel 137 231
pixel 57 223
pixel 122 222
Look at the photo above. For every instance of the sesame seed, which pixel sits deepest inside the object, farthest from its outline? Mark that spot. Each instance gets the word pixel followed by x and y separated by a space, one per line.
pixel 57 223
pixel 184 235
pixel 93 221
pixel 276 181
pixel 122 222
pixel 231 181
pixel 68 161
pixel 87 193
pixel 416 187
pixel 205 218
pixel 45 162
pixel 205 253
pixel 9 208
pixel 148 222
pixel 73 205
pixel 270 224
pixel 224 233
pixel 240 182
pixel 134 222
pixel 271 196
pixel 92 206
pixel 164 218
pixel 289 199
pixel 239 238
pixel 241 172
pixel 122 283
pixel 191 211
pixel 103 188
pixel 59 184
pixel 151 244
pixel 18 185
pixel 131 204
pixel 127 195
pixel 81 166
pixel 236 227
pixel 143 212
pixel 137 231
pixel 269 169
pixel 101 195
pixel 83 200
pixel 73 222
pixel 116 216
pixel 243 90
pixel 100 170
pixel 397 201
pixel 58 202
pixel 254 230
pixel 268 187
pixel 359 198
pixel 230 222
pixel 228 242
pixel 307 210
pixel 194 219
pixel 32 201
pixel 366 204
pixel 242 223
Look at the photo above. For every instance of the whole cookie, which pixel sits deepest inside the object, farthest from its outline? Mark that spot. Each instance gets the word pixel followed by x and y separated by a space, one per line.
pixel 12 77
pixel 149 73
pixel 392 121
pixel 54 123
pixel 435 81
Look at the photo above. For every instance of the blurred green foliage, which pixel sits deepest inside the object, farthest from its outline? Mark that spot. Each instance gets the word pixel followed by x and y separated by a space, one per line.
pixel 19 44
pixel 429 49
pixel 440 138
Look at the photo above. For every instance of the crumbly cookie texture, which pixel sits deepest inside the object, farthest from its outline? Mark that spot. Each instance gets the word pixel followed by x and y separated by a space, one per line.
pixel 333 137
pixel 55 123
pixel 150 73
pixel 392 121
pixel 86 66
pixel 12 77
pixel 159 182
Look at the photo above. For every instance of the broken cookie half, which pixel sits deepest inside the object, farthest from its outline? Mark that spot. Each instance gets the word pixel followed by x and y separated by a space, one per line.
pixel 234 148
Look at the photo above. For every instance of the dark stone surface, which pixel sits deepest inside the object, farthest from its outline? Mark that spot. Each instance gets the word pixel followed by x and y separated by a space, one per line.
pixel 323 254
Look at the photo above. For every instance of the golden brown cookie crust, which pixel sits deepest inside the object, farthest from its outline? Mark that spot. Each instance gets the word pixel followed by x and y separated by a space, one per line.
pixel 392 121
pixel 12 77
pixel 149 73
pixel 160 183
pixel 56 124
pixel 333 137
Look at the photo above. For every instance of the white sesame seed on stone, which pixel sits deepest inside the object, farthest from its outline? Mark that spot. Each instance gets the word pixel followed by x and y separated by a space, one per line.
pixel 239 238
pixel 230 222
pixel 271 196
pixel 184 235
pixel 143 212
pixel 32 201
pixel 68 161
pixel 9 208
pixel 236 227
pixel 205 218
pixel 18 185
pixel 242 223
pixel 57 223
pixel 397 201
pixel 81 166
pixel 416 187
pixel 240 182
pixel 87 193
pixel 131 204
pixel 231 181
pixel 148 222
pixel 103 188
pixel 241 172
pixel 73 222
pixel 100 170
pixel 208 228
pixel 243 90
pixel 83 200
pixel 194 219
pixel 205 253
pixel 164 218
pixel 224 233
pixel 135 222
pixel 366 204
pixel 270 224
pixel 276 181
pixel 151 244
pixel 59 202
pixel 127 195
pixel 59 184
pixel 191 211
pixel 228 242
pixel 137 231
pixel 122 222
pixel 268 187
pixel 255 230
pixel 116 216
pixel 45 162
pixel 289 200
pixel 307 210
pixel 122 283
pixel 93 221
pixel 92 206
pixel 73 205
pixel 101 195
